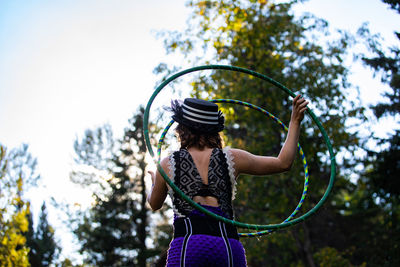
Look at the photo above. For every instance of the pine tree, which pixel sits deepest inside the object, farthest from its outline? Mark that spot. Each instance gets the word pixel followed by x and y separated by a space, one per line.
pixel 115 231
pixel 41 241
pixel 380 202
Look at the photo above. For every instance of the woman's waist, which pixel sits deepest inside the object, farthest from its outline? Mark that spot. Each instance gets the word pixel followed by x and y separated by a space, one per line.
pixel 209 201
pixel 199 223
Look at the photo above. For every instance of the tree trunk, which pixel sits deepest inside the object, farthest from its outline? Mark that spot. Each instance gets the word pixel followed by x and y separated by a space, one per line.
pixel 305 246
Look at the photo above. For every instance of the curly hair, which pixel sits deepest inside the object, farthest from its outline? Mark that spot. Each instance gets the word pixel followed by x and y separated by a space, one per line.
pixel 189 138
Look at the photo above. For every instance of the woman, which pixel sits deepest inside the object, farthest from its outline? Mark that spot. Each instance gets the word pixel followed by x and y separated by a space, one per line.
pixel 207 173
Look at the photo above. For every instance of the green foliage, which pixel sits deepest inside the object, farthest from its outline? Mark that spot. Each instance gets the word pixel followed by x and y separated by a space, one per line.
pixel 43 249
pixel 263 36
pixel 115 231
pixel 394 4
pixel 330 257
pixel 386 62
pixel 13 209
pixel 68 263
pixel 378 197
pixel 20 245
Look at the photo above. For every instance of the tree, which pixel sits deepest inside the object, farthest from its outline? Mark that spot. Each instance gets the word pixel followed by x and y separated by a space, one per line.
pixel 17 171
pixel 263 36
pixel 380 178
pixel 115 231
pixel 43 249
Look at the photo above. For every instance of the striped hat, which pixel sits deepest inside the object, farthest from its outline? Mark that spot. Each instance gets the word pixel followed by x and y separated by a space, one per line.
pixel 199 115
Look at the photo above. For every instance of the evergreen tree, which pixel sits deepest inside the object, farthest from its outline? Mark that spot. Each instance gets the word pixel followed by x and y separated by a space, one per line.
pixel 115 231
pixel 380 202
pixel 43 250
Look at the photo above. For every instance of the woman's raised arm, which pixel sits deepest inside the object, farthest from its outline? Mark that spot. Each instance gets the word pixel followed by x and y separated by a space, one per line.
pixel 248 163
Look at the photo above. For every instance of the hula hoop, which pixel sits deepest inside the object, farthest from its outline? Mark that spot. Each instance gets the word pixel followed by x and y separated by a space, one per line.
pixel 238 224
pixel 277 120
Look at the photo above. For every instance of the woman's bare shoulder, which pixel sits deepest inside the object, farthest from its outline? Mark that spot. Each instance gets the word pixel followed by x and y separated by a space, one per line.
pixel 165 162
pixel 238 153
pixel 239 156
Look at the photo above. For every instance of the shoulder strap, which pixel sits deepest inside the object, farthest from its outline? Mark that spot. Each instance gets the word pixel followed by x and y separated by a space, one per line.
pixel 178 204
pixel 224 162
pixel 177 159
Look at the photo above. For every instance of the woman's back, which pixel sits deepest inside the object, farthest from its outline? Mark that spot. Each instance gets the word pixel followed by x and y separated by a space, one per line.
pixel 201 159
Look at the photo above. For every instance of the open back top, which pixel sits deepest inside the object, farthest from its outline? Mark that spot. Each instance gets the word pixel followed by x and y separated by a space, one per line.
pixel 185 175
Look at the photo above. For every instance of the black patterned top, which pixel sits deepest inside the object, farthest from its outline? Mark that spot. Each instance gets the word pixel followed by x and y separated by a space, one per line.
pixel 221 180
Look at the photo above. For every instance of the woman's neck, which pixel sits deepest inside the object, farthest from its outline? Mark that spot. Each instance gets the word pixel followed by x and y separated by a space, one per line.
pixel 197 148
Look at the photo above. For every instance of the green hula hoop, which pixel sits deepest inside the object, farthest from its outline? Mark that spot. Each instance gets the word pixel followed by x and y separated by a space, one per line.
pixel 238 224
pixel 277 120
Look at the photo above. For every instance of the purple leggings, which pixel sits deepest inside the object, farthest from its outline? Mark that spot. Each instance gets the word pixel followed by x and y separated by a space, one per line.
pixel 204 250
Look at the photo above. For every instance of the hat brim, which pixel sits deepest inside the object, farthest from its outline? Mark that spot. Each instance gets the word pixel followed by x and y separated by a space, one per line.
pixel 199 127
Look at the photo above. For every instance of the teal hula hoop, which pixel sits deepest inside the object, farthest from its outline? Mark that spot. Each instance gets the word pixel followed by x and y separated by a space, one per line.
pixel 300 150
pixel 257 227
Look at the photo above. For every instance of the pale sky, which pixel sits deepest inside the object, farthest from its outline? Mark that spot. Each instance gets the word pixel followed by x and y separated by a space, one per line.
pixel 70 65
pixel 66 66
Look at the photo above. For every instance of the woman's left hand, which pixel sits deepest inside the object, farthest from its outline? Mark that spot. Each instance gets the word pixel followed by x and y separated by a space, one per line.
pixel 299 107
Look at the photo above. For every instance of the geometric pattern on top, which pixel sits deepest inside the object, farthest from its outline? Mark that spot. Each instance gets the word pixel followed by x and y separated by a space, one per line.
pixel 219 184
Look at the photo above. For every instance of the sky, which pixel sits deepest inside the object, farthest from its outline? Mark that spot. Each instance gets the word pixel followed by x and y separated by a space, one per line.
pixel 66 66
